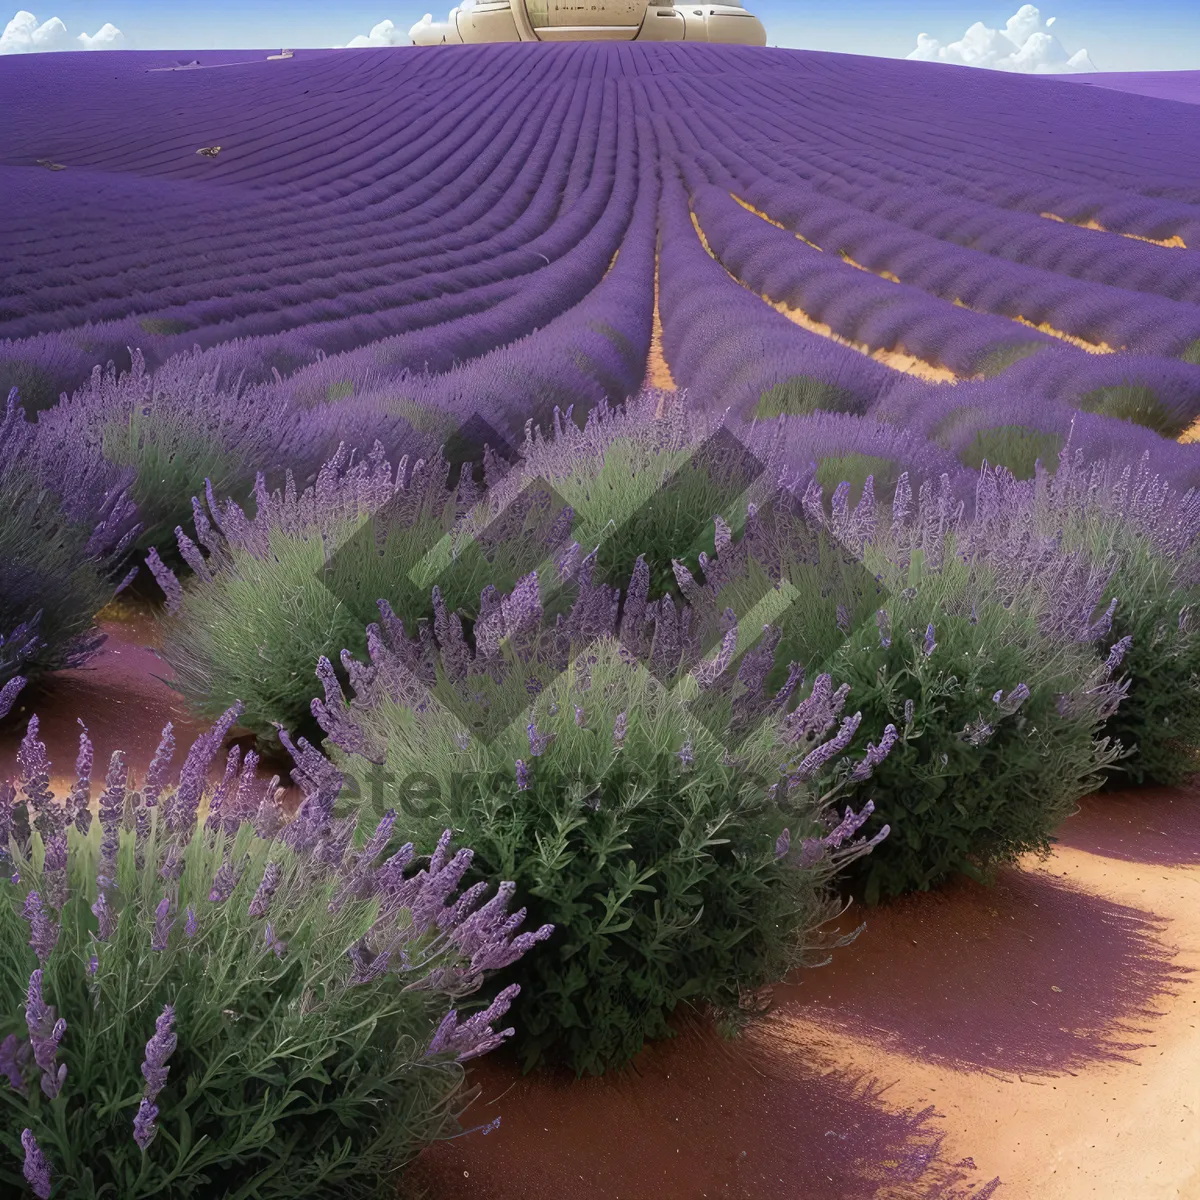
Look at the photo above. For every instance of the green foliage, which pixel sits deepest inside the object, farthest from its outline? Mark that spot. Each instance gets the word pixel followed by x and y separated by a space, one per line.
pixel 172 456
pixel 1137 403
pixel 644 500
pixel 1159 607
pixel 660 875
pixel 251 630
pixel 999 360
pixel 1192 353
pixel 166 326
pixel 254 632
pixel 289 1079
pixel 969 786
pixel 1015 447
pixel 49 582
pixel 39 388
pixel 801 396
pixel 856 469
pixel 341 390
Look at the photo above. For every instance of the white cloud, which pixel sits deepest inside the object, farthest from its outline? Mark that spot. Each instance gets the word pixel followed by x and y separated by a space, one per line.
pixel 386 33
pixel 24 35
pixel 1025 44
pixel 107 37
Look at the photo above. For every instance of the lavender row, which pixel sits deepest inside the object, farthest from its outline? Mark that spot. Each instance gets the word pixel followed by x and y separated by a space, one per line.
pixel 731 349
pixel 857 305
pixel 1094 312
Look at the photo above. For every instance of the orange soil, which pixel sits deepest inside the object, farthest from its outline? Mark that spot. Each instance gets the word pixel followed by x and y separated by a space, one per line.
pixel 1192 434
pixel 1172 243
pixel 1078 342
pixel 658 372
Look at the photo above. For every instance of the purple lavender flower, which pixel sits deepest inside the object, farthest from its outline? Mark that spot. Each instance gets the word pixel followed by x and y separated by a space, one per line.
pixel 162 925
pixel 112 811
pixel 580 716
pixel 266 889
pixel 977 733
pixel 158 1049
pixel 156 774
pixel 930 641
pixel 1013 701
pixel 908 714
pixel 825 753
pixel 843 618
pixel 225 880
pixel 368 965
pixel 54 871
pixel 189 924
pixel 172 865
pixel 37 1169
pixel 35 783
pixel 14 1053
pixel 105 916
pixel 165 578
pixel 144 1128
pixel 783 843
pixel 277 947
pixel 875 755
pixel 884 623
pixel 538 741
pixel 78 811
pixel 8 694
pixel 474 1036
pixel 620 727
pixel 1117 655
pixel 45 1032
pixel 685 755
pixel 522 776
pixel 43 931
pixel 93 964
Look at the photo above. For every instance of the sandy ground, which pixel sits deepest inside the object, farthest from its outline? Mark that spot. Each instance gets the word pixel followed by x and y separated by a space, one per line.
pixel 658 372
pixel 1039 1038
pixel 1175 242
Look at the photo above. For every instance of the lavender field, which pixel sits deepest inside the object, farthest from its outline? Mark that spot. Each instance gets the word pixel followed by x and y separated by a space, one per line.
pixel 594 511
pixel 488 221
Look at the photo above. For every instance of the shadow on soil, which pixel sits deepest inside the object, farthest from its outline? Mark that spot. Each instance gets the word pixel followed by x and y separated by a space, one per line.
pixel 1031 975
pixel 1151 825
pixel 695 1117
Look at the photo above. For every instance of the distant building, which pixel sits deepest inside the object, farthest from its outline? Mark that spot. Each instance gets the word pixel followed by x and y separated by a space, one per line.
pixel 591 20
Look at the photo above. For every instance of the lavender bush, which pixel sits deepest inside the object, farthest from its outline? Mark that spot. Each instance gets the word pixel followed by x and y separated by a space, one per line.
pixel 1146 534
pixel 677 872
pixel 300 578
pixel 170 431
pixel 248 1005
pixel 59 544
pixel 990 653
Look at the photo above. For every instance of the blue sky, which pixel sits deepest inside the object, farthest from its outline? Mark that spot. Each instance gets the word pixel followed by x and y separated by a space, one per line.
pixel 1118 35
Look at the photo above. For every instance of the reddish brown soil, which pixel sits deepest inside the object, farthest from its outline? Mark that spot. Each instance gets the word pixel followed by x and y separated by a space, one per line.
pixel 121 695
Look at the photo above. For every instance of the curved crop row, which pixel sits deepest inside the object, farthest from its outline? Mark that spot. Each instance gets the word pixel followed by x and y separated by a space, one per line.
pixel 854 303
